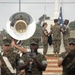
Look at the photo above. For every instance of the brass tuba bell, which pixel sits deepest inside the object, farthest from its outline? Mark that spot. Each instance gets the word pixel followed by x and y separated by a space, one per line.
pixel 21 26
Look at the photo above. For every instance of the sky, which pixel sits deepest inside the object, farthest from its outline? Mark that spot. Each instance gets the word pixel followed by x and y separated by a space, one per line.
pixel 35 8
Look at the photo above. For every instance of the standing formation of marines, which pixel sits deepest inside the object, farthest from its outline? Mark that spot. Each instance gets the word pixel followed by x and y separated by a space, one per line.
pixel 33 62
pixel 55 32
pixel 30 63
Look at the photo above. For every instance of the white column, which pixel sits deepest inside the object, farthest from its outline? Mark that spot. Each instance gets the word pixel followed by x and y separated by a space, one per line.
pixel 56 9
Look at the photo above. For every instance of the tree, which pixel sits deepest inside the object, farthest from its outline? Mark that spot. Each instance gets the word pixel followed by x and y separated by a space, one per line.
pixel 43 18
pixel 72 25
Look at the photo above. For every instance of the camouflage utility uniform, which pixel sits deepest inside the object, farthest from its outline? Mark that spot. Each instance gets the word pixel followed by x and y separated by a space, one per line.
pixel 62 56
pixel 66 36
pixel 56 37
pixel 45 41
pixel 68 59
pixel 13 59
pixel 35 70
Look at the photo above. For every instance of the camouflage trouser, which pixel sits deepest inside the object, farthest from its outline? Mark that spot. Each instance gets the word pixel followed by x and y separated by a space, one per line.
pixel 45 48
pixel 66 42
pixel 56 46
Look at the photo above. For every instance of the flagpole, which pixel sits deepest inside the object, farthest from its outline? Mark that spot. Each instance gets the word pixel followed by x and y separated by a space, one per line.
pixel 44 11
pixel 19 5
pixel 61 3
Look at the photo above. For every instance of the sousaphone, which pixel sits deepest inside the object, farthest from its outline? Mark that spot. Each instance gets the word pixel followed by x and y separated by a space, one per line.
pixel 21 26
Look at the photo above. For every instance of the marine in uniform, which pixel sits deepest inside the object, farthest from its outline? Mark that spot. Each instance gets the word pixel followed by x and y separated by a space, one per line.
pixel 67 59
pixel 9 59
pixel 45 38
pixel 56 37
pixel 66 34
pixel 17 46
pixel 34 63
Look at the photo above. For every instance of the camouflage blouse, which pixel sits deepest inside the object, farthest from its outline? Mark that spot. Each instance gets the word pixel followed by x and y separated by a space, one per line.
pixel 34 70
pixel 13 59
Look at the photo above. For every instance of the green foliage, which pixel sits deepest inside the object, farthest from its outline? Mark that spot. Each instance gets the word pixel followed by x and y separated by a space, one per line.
pixel 72 25
pixel 43 17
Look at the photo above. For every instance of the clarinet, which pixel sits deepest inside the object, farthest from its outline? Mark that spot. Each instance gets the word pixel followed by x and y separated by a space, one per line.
pixel 31 55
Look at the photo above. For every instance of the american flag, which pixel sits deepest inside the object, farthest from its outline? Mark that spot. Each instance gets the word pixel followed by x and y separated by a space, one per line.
pixel 60 18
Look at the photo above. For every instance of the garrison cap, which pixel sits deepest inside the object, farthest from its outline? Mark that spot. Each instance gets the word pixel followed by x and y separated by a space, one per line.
pixel 34 41
pixel 72 41
pixel 6 41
